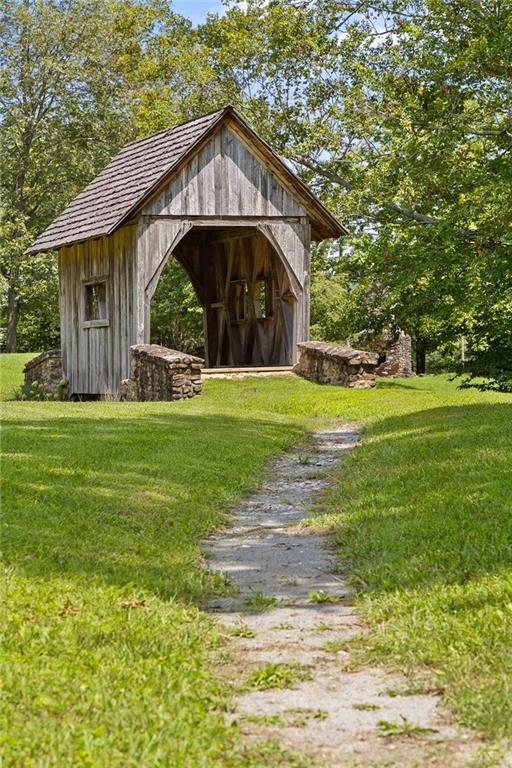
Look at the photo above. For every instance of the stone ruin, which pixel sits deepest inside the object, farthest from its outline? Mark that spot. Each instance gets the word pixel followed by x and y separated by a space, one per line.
pixel 332 364
pixel 159 373
pixel 46 369
pixel 397 358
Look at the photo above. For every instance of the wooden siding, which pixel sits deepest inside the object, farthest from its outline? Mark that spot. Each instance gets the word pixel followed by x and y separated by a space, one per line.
pixel 95 359
pixel 248 299
pixel 225 178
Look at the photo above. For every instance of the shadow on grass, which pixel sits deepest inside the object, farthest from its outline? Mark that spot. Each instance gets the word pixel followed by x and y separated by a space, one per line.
pixel 428 498
pixel 126 500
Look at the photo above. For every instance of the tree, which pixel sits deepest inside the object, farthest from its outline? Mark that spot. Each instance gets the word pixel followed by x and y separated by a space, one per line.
pixel 399 113
pixel 66 107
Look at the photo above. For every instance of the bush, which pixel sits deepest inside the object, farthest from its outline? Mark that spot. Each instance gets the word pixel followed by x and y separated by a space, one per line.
pixel 37 391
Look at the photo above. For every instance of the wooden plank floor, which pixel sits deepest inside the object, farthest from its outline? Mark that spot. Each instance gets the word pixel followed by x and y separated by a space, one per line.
pixel 253 370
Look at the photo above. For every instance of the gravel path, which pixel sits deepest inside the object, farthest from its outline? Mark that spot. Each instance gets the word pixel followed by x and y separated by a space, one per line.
pixel 291 611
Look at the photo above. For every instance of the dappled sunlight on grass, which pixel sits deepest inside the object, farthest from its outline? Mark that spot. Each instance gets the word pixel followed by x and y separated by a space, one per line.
pixel 424 509
pixel 151 487
pixel 105 505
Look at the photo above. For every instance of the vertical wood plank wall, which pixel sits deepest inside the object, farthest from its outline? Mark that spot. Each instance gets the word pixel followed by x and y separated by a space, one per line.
pixel 96 359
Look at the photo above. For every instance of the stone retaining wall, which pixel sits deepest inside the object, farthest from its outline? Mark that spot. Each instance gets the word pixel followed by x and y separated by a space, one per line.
pixel 331 364
pixel 398 358
pixel 45 369
pixel 158 373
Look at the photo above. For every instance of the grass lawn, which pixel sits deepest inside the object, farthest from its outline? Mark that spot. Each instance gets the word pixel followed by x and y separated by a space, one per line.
pixel 107 659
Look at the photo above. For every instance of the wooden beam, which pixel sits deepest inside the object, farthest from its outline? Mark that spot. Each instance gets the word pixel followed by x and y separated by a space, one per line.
pixel 224 221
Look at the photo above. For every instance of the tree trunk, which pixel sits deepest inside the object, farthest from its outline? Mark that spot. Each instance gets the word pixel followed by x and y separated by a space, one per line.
pixel 421 354
pixel 12 321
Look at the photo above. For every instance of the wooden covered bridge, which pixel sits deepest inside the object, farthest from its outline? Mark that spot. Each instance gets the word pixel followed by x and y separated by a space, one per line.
pixel 216 197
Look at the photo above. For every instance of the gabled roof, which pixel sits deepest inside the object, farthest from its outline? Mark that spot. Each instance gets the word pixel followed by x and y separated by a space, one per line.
pixel 141 167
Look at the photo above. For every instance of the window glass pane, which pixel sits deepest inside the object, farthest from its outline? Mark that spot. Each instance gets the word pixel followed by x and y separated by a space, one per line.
pixel 96 301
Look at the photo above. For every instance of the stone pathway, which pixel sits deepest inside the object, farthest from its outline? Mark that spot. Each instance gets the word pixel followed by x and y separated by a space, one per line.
pixel 289 621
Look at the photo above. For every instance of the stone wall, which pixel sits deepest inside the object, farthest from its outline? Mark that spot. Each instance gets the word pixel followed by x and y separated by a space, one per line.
pixel 331 364
pixel 398 358
pixel 158 373
pixel 45 369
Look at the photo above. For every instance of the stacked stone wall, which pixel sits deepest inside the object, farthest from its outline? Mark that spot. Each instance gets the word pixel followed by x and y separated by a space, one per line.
pixel 398 358
pixel 159 373
pixel 332 364
pixel 45 369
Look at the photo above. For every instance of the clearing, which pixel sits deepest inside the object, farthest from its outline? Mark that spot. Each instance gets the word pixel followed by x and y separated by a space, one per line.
pixel 108 659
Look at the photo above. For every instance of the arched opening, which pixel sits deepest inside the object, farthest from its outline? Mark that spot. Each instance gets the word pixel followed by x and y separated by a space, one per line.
pixel 176 312
pixel 245 293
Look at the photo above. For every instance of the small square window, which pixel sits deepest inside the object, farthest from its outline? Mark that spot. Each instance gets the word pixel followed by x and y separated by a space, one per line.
pixel 96 301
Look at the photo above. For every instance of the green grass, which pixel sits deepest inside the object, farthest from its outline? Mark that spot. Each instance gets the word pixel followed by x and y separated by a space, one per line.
pixel 260 602
pixel 403 728
pixel 277 676
pixel 423 510
pixel 107 659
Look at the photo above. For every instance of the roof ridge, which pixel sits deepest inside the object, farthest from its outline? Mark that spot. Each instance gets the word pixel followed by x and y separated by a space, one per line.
pixel 171 128
pixel 136 172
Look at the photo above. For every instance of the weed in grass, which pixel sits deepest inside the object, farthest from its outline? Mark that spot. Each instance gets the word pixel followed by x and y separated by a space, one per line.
pixel 321 596
pixel 263 719
pixel 259 602
pixel 241 630
pixel 283 625
pixel 318 474
pixel 278 676
pixel 412 687
pixel 307 714
pixel 334 646
pixel 323 626
pixel 295 717
pixel 404 728
pixel 270 754
pixel 366 706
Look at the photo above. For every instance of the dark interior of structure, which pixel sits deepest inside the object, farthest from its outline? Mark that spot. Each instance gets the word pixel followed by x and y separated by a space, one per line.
pixel 247 299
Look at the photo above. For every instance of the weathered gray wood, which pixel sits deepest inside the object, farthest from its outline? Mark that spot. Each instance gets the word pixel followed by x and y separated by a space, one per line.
pixel 230 219
pixel 96 358
pixel 242 184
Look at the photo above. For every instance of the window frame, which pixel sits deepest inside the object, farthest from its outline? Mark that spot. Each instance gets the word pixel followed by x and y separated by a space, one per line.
pixel 266 282
pixel 239 301
pixel 86 283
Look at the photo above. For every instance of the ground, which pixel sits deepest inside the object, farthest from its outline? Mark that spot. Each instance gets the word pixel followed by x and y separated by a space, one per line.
pixel 109 659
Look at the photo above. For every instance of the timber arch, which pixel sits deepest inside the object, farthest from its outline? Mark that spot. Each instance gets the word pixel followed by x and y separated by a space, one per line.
pixel 248 292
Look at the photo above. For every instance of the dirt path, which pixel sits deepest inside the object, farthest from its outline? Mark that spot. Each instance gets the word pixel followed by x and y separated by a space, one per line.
pixel 290 620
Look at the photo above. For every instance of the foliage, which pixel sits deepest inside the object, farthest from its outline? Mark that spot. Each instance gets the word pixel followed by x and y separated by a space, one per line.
pixel 398 114
pixel 66 103
pixel 176 314
pixel 278 676
pixel 395 112
pixel 37 391
pixel 331 303
pixel 490 365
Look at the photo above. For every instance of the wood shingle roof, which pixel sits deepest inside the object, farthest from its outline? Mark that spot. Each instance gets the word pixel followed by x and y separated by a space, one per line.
pixel 131 177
